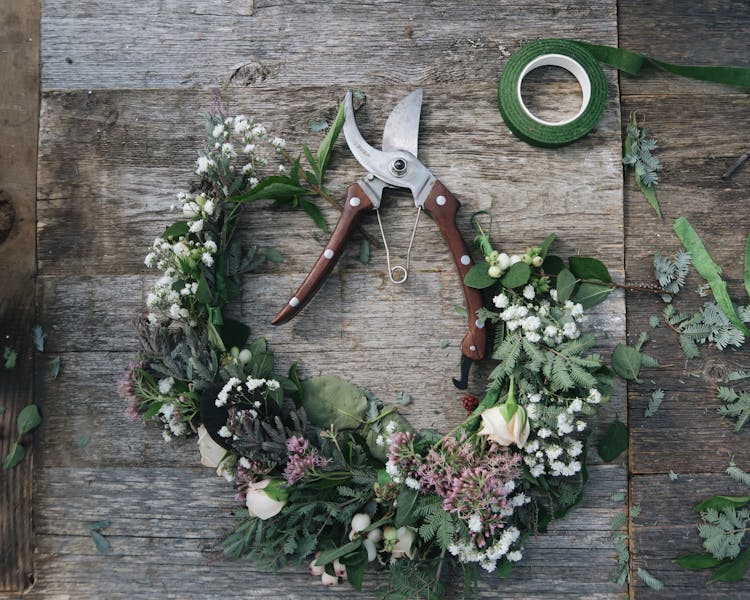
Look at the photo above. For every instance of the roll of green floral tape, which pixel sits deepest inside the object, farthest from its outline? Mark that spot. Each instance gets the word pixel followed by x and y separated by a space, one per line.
pixel 570 56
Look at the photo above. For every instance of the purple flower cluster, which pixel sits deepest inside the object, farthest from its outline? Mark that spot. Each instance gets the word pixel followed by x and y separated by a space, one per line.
pixel 474 477
pixel 302 460
pixel 128 389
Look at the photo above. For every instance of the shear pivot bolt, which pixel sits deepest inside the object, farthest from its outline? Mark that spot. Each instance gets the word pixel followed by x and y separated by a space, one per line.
pixel 465 259
pixel 398 167
pixel 473 348
pixel 441 200
pixel 355 201
pixel 328 253
pixel 294 302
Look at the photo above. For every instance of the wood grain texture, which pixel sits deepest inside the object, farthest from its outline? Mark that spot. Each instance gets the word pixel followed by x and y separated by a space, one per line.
pixel 701 129
pixel 19 107
pixel 120 126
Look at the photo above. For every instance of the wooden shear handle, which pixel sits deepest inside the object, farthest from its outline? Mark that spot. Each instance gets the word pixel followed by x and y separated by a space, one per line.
pixel 443 206
pixel 357 202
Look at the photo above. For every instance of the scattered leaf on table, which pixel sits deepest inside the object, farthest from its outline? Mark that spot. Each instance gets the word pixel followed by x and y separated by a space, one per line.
pixel 54 367
pixel 626 361
pixel 37 336
pixel 102 544
pixel 15 456
pixel 10 357
pixel 28 419
pixel 364 251
pixel 274 256
pixel 84 441
pixel 614 441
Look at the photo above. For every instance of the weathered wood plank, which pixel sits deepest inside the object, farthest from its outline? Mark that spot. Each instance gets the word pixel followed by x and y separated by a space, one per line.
pixel 667 528
pixel 19 106
pixel 300 43
pixel 119 148
pixel 176 529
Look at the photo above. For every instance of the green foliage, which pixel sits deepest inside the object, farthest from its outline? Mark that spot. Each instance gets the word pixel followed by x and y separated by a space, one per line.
pixel 709 270
pixel 26 421
pixel 412 580
pixel 655 402
pixel 329 400
pixel 722 531
pixel 627 361
pixel 637 154
pixel 736 405
pixel 614 441
pixel 738 474
pixel 517 276
pixel 651 581
pixel 478 276
pixel 10 358
pixel 38 337
pixel 671 273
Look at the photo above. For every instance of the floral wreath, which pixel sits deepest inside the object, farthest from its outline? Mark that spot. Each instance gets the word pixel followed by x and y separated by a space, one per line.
pixel 328 473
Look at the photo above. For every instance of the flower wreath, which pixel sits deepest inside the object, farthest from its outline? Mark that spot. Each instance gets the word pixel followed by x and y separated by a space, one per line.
pixel 327 472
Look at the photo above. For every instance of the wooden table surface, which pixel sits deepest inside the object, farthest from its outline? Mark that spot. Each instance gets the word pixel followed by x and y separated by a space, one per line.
pixel 123 89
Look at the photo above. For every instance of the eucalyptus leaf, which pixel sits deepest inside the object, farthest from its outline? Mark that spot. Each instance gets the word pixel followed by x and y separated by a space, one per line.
pixel 478 276
pixel 626 361
pixel 566 281
pixel 591 294
pixel 15 456
pixel 517 275
pixel 585 267
pixel 329 400
pixel 28 419
pixel 614 441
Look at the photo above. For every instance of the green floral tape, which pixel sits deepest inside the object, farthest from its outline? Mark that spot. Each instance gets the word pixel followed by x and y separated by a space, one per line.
pixel 582 60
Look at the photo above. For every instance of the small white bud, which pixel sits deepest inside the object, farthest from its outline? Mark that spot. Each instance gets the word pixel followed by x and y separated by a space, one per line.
pixel 245 356
pixel 316 570
pixel 329 580
pixel 372 551
pixel 503 261
pixel 375 535
pixel 360 521
pixel 339 569
pixel 495 271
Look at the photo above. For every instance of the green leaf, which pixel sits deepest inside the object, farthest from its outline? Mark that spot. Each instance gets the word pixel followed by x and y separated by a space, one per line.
pixel 407 502
pixel 233 333
pixel 709 270
pixel 102 544
pixel 517 275
pixel 329 400
pixel 10 357
pixel 719 502
pixel 261 364
pixel 176 230
pixel 585 267
pixel 478 276
pixel 504 569
pixel 552 265
pixel 258 345
pixel 544 248
pixel 37 336
pixel 364 251
pixel 649 192
pixel 203 292
pixel 326 145
pixel 314 213
pixel 15 456
pixel 566 281
pixel 152 410
pixel 275 187
pixel 626 361
pixel 355 564
pixel 274 256
pixel 84 441
pixel 734 570
pixel 614 441
pixel 330 555
pixel 54 367
pixel 28 419
pixel 696 562
pixel 591 294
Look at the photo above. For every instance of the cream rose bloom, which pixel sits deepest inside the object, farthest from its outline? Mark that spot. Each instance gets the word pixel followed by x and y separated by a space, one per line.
pixel 405 544
pixel 505 425
pixel 260 503
pixel 211 453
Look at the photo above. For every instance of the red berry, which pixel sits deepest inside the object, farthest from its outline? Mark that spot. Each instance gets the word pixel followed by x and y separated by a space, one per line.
pixel 470 403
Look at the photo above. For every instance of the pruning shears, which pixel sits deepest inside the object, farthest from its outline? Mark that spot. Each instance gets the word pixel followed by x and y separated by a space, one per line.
pixel 396 166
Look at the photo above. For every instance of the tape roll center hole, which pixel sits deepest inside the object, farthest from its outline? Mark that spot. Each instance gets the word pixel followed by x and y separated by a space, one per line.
pixel 554 90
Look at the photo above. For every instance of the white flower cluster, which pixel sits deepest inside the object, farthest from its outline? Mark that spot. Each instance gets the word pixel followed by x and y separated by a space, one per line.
pixel 174 426
pixel 234 385
pixel 550 449
pixel 544 322
pixel 487 558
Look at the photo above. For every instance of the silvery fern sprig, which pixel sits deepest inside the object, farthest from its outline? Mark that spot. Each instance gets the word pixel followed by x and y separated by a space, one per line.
pixel 671 272
pixel 637 154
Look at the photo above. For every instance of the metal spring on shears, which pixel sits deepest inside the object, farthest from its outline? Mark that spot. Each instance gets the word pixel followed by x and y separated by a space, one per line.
pixel 392 270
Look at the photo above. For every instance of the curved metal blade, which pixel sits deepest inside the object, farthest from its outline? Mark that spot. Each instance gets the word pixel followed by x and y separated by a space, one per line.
pixel 401 131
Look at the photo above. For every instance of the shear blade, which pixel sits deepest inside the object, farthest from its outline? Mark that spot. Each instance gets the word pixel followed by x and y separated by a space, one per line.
pixel 401 131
